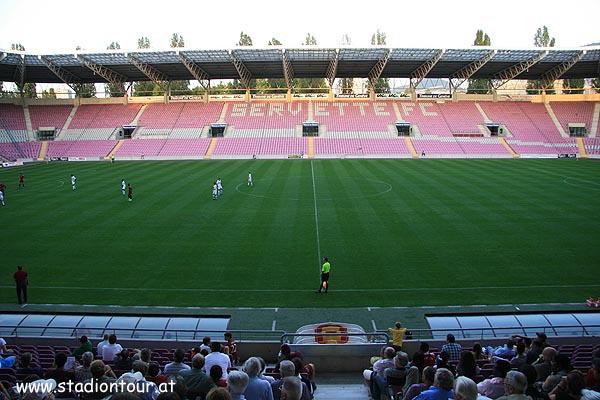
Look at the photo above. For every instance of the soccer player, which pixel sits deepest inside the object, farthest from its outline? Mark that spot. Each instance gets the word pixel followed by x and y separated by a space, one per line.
pixel 215 191
pixel 325 268
pixel 73 180
pixel 2 197
pixel 129 192
pixel 249 179
pixel 123 187
pixel 21 181
pixel 219 187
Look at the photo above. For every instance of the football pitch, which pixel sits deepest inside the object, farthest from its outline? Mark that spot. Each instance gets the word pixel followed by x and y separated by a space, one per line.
pixel 397 232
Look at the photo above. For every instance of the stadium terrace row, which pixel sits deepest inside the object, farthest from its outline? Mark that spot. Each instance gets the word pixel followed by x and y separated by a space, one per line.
pixel 359 128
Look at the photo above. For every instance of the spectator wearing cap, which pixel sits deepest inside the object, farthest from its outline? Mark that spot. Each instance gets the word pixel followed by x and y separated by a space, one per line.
pixel 85 345
pixel 453 348
pixel 494 387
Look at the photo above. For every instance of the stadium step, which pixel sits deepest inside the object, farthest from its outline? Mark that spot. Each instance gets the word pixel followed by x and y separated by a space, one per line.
pixel 581 146
pixel 503 141
pixel 555 121
pixel 43 151
pixel 342 392
pixel 211 148
pixel 411 147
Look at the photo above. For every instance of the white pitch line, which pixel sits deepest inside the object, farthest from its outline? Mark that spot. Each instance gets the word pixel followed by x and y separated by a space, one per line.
pixel 312 172
pixel 274 323
pixel 420 289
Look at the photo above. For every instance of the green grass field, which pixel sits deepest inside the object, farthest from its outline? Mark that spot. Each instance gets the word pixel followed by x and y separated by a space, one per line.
pixel 398 232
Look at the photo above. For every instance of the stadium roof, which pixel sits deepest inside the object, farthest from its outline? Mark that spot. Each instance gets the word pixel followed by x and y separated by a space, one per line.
pixel 247 63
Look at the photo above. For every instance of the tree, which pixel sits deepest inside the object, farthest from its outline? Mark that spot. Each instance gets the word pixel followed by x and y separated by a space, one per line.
pixel 179 87
pixel 596 84
pixel 573 86
pixel 346 85
pixel 541 39
pixel 49 94
pixel 383 84
pixel 114 89
pixel 245 40
pixel 146 88
pixel 271 85
pixel 311 85
pixel 84 90
pixel 482 86
pixel 28 89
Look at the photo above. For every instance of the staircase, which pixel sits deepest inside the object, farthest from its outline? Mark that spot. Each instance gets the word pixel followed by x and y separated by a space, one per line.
pixel 561 130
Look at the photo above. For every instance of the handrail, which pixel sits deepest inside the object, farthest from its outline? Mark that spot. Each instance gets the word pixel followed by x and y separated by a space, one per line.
pixel 16 330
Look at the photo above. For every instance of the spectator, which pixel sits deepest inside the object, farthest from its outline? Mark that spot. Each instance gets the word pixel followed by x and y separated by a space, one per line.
pixel 123 362
pixel 286 353
pixel 218 358
pixel 467 366
pixel 154 374
pixel 387 361
pixel 478 352
pixel 298 368
pixel 399 375
pixel 197 382
pixel 85 345
pixel 236 382
pixel 102 377
pixel 397 335
pixel 532 391
pixel 520 358
pixel 287 369
pixel 465 389
pixel 231 347
pixel 177 366
pixel 3 348
pixel 427 377
pixel 144 389
pixel 143 355
pixel 569 388
pixel 110 350
pixel 507 351
pixel 592 378
pixel 545 363
pixel 218 393
pixel 291 389
pixel 25 367
pixel 205 344
pixel 59 373
pixel 494 387
pixel 442 388
pixel 101 345
pixel 257 389
pixel 453 348
pixel 263 367
pixel 83 372
pixel 534 353
pixel 149 389
pixel 515 385
pixel 216 373
pixel 443 361
pixel 561 366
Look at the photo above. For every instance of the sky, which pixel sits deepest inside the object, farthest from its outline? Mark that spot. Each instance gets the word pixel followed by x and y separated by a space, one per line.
pixel 59 26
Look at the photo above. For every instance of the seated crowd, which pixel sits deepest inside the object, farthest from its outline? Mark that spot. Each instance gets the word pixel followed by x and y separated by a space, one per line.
pixel 110 372
pixel 521 369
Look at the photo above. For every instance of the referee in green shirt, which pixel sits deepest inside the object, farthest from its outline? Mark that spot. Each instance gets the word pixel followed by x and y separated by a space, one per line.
pixel 325 268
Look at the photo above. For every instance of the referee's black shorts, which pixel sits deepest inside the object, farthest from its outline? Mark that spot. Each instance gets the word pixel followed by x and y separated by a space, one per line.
pixel 325 277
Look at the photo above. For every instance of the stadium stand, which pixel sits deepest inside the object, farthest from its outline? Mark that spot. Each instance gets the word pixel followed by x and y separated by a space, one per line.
pixel 347 118
pixel 49 116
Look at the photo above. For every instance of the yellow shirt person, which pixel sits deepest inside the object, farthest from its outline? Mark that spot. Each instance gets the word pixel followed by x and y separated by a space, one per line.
pixel 397 336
